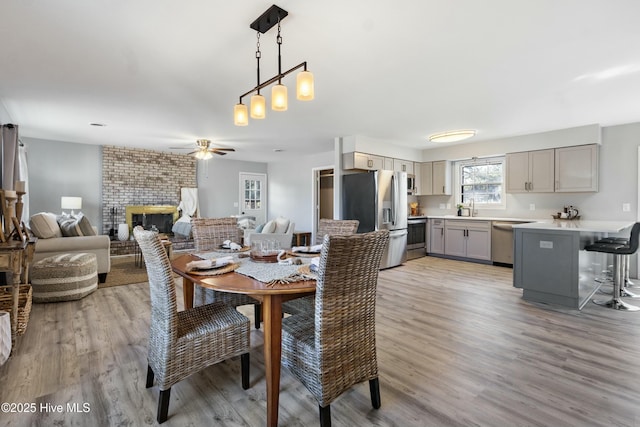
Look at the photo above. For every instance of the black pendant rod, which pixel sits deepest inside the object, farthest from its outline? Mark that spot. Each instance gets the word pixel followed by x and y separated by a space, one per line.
pixel 274 79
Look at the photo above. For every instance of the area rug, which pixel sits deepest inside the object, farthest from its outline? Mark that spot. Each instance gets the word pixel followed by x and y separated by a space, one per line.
pixel 124 272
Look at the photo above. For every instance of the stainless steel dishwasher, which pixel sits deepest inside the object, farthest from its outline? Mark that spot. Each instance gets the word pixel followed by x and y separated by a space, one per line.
pixel 502 241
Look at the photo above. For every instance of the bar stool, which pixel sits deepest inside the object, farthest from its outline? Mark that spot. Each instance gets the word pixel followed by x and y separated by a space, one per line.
pixel 626 281
pixel 620 251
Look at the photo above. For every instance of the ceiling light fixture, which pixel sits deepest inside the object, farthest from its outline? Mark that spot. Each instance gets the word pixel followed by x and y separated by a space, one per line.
pixel 452 136
pixel 279 101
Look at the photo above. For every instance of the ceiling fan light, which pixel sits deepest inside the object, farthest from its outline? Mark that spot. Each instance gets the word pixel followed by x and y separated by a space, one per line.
pixel 452 136
pixel 240 115
pixel 304 86
pixel 279 97
pixel 258 106
pixel 206 155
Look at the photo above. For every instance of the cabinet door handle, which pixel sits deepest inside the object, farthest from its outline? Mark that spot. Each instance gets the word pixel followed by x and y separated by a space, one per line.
pixel 531 186
pixel 443 189
pixel 370 163
pixel 526 186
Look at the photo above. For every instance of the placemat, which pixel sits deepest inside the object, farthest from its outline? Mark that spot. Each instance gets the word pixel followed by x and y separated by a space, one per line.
pixel 303 254
pixel 216 271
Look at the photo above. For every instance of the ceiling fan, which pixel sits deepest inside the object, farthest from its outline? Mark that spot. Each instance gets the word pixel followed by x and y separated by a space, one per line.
pixel 205 151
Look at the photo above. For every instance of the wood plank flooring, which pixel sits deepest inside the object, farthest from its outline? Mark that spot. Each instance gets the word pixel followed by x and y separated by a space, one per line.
pixel 457 346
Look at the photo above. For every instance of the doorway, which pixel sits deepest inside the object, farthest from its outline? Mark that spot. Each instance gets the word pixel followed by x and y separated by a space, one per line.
pixel 322 195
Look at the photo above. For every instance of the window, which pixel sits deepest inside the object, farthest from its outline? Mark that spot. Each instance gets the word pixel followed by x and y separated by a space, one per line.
pixel 481 181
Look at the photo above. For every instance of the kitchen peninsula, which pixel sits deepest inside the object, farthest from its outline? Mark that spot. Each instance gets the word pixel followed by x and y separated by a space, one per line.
pixel 551 265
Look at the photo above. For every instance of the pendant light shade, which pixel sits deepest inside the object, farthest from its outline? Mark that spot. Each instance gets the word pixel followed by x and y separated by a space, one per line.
pixel 240 115
pixel 258 106
pixel 279 98
pixel 304 86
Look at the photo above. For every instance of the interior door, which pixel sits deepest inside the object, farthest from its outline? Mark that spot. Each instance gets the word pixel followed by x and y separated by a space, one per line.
pixel 253 196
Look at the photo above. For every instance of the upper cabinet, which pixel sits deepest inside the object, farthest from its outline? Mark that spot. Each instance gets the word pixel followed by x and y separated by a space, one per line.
pixel 567 169
pixel 435 178
pixel 577 168
pixel 441 183
pixel 388 164
pixel 362 161
pixel 403 166
pixel 426 179
pixel 530 171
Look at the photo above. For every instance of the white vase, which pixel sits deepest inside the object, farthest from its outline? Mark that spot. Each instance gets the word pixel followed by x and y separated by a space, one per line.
pixel 5 337
pixel 123 231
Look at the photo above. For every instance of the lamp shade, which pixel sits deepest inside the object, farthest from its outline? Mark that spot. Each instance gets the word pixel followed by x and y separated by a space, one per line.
pixel 204 155
pixel 240 115
pixel 71 202
pixel 258 106
pixel 304 86
pixel 279 98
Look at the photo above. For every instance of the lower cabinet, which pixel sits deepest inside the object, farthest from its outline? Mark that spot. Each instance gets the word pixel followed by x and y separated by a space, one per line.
pixel 467 239
pixel 436 236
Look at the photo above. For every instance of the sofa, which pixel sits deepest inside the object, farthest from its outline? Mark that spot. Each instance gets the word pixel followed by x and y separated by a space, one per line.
pixel 280 229
pixel 60 234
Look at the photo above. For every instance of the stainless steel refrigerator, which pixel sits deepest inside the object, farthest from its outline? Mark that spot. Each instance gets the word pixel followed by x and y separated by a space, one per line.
pixel 379 201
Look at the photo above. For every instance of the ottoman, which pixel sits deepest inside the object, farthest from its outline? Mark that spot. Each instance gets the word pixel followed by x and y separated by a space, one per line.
pixel 64 277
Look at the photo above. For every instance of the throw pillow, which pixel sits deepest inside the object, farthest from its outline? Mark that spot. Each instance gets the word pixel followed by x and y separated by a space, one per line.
pixel 44 225
pixel 282 224
pixel 269 227
pixel 85 226
pixel 259 228
pixel 69 226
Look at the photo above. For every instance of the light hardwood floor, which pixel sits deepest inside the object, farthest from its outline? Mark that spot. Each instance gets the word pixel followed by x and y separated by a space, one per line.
pixel 457 346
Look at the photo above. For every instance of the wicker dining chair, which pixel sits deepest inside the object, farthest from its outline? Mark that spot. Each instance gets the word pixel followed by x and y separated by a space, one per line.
pixel 335 227
pixel 208 235
pixel 332 227
pixel 335 348
pixel 182 343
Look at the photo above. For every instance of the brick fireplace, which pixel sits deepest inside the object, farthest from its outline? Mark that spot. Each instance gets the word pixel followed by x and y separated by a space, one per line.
pixel 142 178
pixel 158 216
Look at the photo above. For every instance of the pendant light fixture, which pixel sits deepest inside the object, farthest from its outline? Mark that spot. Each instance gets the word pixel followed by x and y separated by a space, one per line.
pixel 279 92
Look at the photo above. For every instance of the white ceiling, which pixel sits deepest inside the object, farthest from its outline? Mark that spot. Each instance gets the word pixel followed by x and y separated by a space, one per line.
pixel 162 73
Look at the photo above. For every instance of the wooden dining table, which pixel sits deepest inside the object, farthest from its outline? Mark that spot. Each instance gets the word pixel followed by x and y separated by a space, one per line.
pixel 271 298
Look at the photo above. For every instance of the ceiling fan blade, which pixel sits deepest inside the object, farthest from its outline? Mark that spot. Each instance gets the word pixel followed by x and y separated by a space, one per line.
pixel 221 153
pixel 222 149
pixel 193 152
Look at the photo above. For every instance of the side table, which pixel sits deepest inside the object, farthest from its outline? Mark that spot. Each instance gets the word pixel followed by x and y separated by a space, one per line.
pixel 302 238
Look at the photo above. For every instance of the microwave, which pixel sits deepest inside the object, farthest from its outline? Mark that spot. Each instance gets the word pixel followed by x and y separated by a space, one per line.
pixel 411 184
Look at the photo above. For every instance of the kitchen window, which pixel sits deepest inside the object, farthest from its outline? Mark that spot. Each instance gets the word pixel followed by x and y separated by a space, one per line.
pixel 481 181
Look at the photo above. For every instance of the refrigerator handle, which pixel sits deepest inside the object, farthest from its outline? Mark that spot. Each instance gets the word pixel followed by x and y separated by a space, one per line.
pixel 393 199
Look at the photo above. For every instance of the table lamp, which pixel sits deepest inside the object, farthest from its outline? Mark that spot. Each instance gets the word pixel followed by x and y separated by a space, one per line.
pixel 71 203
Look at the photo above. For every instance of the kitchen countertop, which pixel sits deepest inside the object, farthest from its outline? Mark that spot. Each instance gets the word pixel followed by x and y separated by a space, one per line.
pixel 578 225
pixel 480 218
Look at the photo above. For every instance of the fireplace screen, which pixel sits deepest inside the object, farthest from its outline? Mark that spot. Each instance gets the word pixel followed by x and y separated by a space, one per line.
pixel 150 216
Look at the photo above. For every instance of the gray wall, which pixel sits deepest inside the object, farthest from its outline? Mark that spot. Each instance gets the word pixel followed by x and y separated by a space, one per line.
pixel 291 188
pixel 59 169
pixel 219 182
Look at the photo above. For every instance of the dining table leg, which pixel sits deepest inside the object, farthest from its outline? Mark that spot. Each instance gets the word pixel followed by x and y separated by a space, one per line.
pixel 187 293
pixel 272 322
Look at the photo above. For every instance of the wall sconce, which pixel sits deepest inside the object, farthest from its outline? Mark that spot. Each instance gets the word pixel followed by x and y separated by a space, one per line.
pixel 279 101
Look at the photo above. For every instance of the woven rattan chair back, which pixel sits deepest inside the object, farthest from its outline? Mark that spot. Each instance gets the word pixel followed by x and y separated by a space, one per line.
pixel 336 227
pixel 209 233
pixel 335 348
pixel 183 343
pixel 161 287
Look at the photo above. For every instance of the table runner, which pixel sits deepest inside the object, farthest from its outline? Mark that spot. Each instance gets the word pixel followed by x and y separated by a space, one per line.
pixel 269 273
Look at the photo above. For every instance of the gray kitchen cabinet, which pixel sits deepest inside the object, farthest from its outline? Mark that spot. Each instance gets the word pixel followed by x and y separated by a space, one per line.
pixel 468 239
pixel 426 178
pixel 436 236
pixel 362 161
pixel 576 168
pixel 388 163
pixel 530 171
pixel 441 178
pixel 403 166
